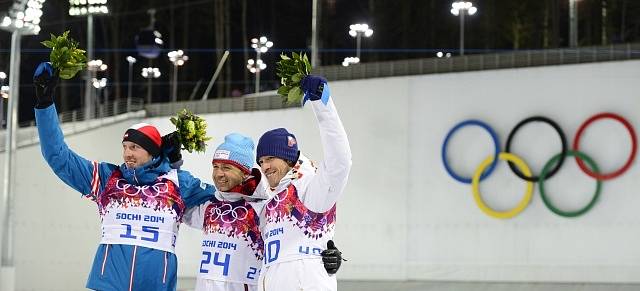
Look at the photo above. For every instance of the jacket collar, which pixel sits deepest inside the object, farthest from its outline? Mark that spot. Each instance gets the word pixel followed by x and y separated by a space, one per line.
pixel 147 173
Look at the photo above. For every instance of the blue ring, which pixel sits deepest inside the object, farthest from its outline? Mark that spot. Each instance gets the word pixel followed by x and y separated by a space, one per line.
pixel 494 136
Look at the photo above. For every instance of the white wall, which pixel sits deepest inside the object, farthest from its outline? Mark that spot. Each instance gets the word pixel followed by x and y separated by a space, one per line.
pixel 402 216
pixel 451 239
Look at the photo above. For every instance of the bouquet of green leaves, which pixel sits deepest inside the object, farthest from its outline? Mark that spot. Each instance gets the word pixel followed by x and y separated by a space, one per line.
pixel 291 71
pixel 65 55
pixel 192 131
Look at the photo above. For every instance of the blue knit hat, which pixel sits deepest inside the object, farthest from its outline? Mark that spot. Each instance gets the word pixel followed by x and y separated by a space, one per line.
pixel 278 143
pixel 236 150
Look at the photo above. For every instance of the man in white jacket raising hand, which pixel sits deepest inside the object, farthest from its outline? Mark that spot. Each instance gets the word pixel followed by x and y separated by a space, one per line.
pixel 298 221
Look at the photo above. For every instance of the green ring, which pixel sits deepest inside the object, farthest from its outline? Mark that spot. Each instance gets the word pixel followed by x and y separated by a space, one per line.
pixel 543 176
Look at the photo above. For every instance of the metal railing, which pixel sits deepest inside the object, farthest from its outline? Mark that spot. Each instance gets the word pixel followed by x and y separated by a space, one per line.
pixel 514 59
pixel 263 101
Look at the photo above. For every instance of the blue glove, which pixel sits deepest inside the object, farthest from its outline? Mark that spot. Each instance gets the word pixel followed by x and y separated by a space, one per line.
pixel 171 147
pixel 45 79
pixel 312 86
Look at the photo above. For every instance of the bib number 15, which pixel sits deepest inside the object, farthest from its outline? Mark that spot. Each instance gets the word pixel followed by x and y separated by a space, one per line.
pixel 152 232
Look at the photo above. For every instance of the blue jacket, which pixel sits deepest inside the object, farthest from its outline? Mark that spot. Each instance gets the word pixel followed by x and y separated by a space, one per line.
pixel 114 266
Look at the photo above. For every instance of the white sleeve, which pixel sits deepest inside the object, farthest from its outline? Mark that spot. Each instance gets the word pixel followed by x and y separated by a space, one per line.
pixel 327 185
pixel 194 216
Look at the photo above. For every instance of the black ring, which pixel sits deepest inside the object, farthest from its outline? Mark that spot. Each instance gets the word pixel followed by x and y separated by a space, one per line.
pixel 563 139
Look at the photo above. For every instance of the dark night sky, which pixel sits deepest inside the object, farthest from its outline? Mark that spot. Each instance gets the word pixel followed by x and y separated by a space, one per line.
pixel 403 29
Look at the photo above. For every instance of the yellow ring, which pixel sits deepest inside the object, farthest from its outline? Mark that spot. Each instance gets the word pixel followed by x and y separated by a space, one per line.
pixel 475 181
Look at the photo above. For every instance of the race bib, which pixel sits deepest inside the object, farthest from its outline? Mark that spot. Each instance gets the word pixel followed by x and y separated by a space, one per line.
pixel 140 226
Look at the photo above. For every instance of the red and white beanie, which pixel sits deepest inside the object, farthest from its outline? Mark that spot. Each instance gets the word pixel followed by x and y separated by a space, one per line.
pixel 146 136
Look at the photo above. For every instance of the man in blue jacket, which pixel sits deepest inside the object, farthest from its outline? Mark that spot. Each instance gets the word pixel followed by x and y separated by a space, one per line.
pixel 140 202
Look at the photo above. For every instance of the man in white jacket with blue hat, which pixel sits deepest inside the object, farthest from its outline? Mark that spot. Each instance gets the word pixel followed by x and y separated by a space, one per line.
pixel 298 220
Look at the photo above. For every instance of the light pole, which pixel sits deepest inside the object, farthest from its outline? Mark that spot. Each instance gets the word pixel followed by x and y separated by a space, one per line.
pixel 22 18
pixel 131 60
pixel 150 73
pixel 99 84
pixel 88 8
pixel 93 67
pixel 261 46
pixel 573 23
pixel 255 67
pixel 460 8
pixel 4 92
pixel 178 58
pixel 315 11
pixel 358 30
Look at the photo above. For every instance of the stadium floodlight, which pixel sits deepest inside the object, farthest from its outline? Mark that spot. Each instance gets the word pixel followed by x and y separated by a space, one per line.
pixel 24 16
pixel 150 73
pixel 350 60
pixel 178 58
pixel 260 45
pixel 87 7
pixel 443 55
pixel 460 8
pixel 99 83
pixel 357 31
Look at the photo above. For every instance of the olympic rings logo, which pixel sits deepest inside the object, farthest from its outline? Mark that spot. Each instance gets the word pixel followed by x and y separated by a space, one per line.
pixel 237 213
pixel 158 188
pixel 520 168
pixel 277 199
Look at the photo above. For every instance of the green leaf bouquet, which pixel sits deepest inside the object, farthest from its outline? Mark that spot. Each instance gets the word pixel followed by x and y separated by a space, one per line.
pixel 291 71
pixel 192 131
pixel 65 55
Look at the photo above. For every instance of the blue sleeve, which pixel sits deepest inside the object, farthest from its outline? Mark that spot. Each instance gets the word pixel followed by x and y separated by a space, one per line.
pixel 84 176
pixel 193 191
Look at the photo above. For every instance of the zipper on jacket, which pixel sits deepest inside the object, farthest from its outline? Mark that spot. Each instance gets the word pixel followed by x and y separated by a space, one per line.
pixel 135 177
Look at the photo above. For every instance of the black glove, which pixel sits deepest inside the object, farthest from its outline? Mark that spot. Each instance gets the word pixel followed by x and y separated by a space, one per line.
pixel 171 148
pixel 45 79
pixel 312 86
pixel 331 258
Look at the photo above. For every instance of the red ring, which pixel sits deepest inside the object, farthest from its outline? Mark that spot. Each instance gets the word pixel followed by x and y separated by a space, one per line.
pixel 634 146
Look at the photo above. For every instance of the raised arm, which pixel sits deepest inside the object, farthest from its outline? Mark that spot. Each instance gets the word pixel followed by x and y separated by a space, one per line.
pixel 194 192
pixel 81 174
pixel 326 187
